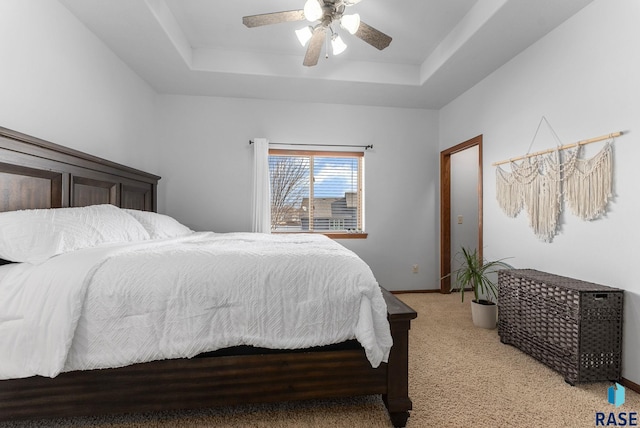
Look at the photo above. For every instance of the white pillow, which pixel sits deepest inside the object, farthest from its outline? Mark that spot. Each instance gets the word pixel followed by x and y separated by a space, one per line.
pixel 33 236
pixel 159 225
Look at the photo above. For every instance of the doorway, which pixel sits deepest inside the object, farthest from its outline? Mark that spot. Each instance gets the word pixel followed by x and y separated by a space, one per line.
pixel 446 165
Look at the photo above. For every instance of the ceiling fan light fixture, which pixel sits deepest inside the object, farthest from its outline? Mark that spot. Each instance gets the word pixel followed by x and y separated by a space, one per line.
pixel 304 35
pixel 337 44
pixel 351 23
pixel 325 16
pixel 312 10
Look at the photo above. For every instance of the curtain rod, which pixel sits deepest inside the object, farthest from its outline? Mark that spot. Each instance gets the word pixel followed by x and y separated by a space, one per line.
pixel 566 146
pixel 370 146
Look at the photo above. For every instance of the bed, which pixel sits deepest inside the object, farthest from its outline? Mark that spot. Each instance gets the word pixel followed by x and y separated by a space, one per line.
pixel 36 174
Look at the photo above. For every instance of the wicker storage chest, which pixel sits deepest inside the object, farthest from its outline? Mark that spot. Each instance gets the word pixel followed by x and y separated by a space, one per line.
pixel 572 326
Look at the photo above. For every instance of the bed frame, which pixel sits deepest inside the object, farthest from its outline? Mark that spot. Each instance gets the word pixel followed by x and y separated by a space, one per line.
pixel 38 174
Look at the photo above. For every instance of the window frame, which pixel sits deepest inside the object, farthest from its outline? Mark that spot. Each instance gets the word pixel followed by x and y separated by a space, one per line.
pixel 361 234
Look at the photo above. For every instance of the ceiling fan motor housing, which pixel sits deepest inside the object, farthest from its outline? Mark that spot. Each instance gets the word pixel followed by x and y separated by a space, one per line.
pixel 332 11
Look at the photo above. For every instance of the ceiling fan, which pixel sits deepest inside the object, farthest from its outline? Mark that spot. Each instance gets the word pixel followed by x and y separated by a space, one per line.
pixel 325 13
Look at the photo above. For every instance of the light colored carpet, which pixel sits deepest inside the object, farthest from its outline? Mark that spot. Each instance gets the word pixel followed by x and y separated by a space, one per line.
pixel 460 376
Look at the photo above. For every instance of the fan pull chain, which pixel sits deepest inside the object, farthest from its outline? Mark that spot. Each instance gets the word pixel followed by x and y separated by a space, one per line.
pixel 326 47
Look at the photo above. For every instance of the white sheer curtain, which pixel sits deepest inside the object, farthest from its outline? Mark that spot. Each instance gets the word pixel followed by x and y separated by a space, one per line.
pixel 261 189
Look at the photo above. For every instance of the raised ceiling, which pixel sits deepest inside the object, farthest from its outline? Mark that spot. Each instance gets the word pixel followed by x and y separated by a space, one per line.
pixel 440 48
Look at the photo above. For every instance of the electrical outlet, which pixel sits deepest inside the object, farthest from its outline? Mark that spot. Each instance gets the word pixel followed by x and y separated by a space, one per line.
pixel 460 219
pixel 414 268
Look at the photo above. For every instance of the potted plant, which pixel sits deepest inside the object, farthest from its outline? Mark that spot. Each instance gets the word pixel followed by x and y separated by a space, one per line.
pixel 474 273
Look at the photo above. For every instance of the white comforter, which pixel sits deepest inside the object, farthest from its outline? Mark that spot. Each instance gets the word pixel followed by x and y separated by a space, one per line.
pixel 122 304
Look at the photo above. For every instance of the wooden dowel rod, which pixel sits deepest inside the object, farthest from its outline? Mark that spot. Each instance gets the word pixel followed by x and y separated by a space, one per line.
pixel 566 146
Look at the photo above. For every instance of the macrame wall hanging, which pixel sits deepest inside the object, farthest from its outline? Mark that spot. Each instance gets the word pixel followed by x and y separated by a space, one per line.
pixel 540 180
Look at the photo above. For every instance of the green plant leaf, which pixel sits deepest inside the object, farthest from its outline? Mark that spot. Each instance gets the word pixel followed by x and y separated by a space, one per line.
pixel 474 273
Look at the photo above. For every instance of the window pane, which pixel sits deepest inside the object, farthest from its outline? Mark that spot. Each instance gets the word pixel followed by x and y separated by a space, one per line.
pixel 289 187
pixel 335 188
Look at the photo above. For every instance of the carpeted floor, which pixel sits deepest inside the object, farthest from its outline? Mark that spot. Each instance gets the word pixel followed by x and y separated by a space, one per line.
pixel 460 376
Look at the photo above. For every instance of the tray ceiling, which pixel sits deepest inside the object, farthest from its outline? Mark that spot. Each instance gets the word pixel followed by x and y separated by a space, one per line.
pixel 440 48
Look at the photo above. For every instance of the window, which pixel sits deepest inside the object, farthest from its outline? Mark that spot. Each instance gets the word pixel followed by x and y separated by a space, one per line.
pixel 316 191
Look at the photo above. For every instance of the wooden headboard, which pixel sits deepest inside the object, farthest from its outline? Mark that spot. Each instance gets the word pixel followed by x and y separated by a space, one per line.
pixel 38 174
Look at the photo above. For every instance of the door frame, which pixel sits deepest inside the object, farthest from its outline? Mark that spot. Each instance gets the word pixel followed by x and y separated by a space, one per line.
pixel 445 208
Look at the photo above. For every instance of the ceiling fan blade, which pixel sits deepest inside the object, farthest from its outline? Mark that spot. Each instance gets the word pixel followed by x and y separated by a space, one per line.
pixel 374 37
pixel 273 18
pixel 315 46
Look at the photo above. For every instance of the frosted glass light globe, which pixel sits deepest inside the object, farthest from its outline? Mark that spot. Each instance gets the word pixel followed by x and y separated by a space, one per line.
pixel 312 10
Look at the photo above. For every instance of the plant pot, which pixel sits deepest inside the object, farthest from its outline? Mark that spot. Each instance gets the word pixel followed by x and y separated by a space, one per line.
pixel 484 314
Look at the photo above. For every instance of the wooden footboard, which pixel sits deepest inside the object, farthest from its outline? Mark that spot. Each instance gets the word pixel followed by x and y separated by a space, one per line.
pixel 220 381
pixel 397 396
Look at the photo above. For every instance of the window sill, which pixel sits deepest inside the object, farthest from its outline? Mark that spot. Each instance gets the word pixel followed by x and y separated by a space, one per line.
pixel 339 235
pixel 333 235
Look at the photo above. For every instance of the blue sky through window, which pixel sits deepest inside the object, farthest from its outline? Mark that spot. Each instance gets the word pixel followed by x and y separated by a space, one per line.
pixel 335 176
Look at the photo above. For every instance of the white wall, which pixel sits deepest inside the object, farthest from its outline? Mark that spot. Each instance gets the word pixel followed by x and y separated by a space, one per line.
pixel 60 83
pixel 583 77
pixel 205 150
